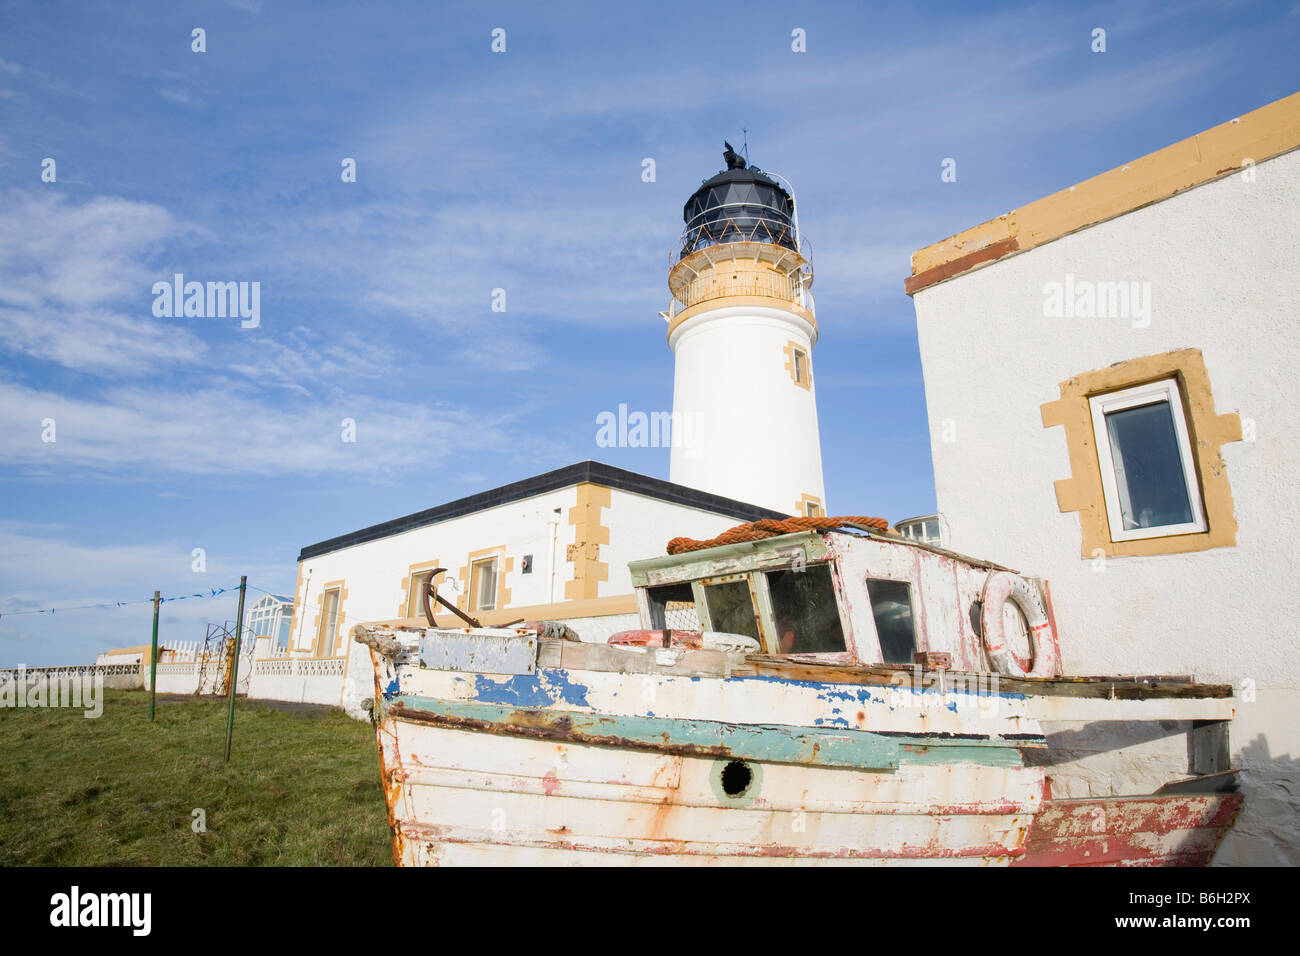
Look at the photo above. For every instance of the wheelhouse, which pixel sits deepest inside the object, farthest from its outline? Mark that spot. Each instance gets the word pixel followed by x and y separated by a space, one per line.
pixel 839 596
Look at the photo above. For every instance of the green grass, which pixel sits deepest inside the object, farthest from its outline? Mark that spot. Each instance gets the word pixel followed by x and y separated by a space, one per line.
pixel 301 789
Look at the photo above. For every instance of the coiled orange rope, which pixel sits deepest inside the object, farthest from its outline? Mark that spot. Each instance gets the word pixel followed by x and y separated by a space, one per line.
pixel 771 527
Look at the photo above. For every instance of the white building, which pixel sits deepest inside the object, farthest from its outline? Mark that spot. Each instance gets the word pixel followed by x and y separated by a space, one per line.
pixel 1112 376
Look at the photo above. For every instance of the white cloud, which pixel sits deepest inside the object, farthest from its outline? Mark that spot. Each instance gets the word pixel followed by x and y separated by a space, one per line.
pixel 218 427
pixel 173 95
pixel 65 271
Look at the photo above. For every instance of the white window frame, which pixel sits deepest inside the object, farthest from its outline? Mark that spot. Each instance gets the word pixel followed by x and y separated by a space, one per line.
pixel 1165 390
pixel 415 593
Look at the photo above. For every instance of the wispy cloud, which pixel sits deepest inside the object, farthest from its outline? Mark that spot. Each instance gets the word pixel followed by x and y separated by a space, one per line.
pixel 67 270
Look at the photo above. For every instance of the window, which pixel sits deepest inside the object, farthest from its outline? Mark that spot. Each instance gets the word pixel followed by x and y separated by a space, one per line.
pixel 1147 470
pixel 806 613
pixel 924 529
pixel 484 584
pixel 1164 452
pixel 891 606
pixel 797 364
pixel 673 606
pixel 415 594
pixel 809 505
pixel 731 608
pixel 327 630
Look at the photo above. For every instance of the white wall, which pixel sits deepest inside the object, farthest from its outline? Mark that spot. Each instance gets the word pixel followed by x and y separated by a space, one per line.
pixel 755 429
pixel 641 527
pixel 1223 261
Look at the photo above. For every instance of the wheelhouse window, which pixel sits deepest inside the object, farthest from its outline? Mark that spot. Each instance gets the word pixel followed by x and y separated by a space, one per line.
pixel 484 591
pixel 891 606
pixel 1148 473
pixel 805 611
pixel 731 608
pixel 673 606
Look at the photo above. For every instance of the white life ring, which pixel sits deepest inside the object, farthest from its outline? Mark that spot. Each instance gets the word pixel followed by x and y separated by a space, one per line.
pixel 1000 588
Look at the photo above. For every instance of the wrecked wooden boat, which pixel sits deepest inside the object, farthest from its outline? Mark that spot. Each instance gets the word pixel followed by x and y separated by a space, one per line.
pixel 811 691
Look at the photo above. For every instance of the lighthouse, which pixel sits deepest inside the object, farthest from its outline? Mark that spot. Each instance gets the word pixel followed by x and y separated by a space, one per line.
pixel 742 328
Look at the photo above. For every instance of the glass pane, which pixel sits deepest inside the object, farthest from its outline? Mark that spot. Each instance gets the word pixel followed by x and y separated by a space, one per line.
pixel 891 605
pixel 415 596
pixel 673 606
pixel 329 622
pixel 932 531
pixel 1148 467
pixel 486 572
pixel 731 609
pixel 807 617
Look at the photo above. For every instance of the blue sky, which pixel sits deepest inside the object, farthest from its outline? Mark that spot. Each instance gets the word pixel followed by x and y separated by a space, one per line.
pixel 476 171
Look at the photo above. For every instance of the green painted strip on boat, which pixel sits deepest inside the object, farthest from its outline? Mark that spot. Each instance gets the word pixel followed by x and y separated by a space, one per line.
pixel 770 743
pixel 988 753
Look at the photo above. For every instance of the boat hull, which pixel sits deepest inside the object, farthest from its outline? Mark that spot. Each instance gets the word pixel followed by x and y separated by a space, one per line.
pixel 468 797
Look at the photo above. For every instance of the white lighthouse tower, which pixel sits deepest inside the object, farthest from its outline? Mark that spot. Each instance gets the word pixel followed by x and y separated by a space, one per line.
pixel 742 330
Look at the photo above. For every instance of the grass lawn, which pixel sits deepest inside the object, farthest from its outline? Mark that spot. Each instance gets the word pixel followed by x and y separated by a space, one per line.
pixel 301 789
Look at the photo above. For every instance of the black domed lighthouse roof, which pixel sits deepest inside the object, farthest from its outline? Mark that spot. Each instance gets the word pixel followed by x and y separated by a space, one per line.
pixel 739 204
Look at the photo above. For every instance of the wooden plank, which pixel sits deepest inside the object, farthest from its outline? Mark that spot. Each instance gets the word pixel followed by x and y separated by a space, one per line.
pixel 1109 688
pixel 1207 746
pixel 1071 709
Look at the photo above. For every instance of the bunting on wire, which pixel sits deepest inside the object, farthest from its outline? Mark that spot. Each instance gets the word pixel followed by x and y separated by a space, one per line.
pixel 211 593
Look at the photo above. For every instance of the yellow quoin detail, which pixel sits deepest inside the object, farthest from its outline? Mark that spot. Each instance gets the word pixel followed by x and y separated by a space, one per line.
pixel 589 534
pixel 801 373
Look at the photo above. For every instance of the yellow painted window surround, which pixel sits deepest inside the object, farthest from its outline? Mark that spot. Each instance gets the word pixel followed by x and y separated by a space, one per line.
pixel 1095 488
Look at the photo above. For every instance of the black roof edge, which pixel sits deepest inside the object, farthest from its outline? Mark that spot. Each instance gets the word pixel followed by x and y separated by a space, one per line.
pixel 584 471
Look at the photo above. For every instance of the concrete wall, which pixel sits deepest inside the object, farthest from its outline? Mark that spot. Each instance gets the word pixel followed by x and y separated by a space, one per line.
pixel 1222 260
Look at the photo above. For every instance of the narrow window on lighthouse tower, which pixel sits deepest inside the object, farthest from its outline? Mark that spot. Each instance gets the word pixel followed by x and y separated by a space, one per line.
pixel 800 367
